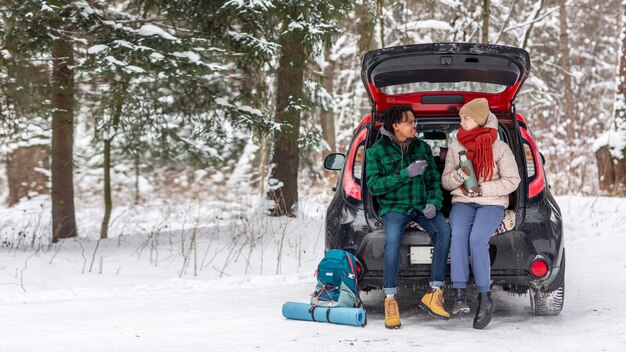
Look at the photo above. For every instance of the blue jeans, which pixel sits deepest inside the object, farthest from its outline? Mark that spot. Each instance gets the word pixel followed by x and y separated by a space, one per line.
pixel 472 227
pixel 395 226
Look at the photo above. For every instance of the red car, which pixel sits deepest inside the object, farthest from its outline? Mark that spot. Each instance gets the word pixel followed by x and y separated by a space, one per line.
pixel 436 80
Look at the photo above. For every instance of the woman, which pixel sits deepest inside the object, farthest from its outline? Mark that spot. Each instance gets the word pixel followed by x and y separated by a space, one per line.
pixel 476 213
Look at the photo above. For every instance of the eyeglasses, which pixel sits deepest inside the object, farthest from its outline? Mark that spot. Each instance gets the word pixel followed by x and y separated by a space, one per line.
pixel 411 122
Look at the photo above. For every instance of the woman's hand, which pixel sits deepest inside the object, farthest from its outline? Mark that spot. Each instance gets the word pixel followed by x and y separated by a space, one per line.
pixel 462 173
pixel 474 192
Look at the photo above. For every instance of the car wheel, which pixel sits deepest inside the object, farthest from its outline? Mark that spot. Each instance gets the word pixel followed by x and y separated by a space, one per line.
pixel 548 302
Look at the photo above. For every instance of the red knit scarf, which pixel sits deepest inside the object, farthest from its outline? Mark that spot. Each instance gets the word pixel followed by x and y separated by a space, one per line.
pixel 478 143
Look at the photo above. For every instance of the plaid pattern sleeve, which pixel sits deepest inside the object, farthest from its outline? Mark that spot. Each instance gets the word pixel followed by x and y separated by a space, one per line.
pixel 389 182
pixel 432 180
pixel 384 170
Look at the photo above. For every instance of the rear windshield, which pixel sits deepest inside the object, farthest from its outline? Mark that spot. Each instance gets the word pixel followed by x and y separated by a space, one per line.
pixel 466 86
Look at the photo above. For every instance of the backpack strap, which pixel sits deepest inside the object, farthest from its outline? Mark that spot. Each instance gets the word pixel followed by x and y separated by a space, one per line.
pixel 312 311
pixel 356 279
pixel 317 298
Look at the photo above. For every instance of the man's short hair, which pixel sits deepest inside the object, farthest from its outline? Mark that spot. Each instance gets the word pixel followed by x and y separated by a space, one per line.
pixel 394 115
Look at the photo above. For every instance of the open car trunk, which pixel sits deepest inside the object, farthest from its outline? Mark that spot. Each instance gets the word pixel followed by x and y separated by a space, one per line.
pixel 439 133
pixel 437 79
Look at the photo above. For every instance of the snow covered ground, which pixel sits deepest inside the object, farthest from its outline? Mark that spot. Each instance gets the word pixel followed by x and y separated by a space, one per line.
pixel 213 277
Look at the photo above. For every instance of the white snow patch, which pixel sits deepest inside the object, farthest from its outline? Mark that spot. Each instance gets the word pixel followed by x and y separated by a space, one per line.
pixel 156 57
pixel 167 99
pixel 135 69
pixel 223 102
pixel 250 110
pixel 115 61
pixel 149 289
pixel 193 57
pixel 97 49
pixel 148 30
pixel 615 140
pixel 430 24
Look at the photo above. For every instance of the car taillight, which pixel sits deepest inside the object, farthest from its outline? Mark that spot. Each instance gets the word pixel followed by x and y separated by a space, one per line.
pixel 530 161
pixel 354 164
pixel 534 170
pixel 539 268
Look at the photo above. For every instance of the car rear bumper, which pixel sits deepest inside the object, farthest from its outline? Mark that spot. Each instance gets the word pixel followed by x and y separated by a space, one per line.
pixel 512 254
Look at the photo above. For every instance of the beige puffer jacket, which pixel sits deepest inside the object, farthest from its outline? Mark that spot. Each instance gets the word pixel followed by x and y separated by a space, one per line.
pixel 495 191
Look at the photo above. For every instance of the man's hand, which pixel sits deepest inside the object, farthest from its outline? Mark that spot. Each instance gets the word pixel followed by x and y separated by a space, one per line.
pixel 430 211
pixel 416 168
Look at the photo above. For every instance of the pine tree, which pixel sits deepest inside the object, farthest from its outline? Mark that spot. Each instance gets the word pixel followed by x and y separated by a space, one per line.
pixel 49 30
pixel 305 25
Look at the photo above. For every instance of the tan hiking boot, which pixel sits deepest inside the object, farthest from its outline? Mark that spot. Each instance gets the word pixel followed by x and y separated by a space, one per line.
pixel 392 313
pixel 433 303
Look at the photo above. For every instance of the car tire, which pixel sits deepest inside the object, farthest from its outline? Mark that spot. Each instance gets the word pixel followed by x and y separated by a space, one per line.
pixel 549 302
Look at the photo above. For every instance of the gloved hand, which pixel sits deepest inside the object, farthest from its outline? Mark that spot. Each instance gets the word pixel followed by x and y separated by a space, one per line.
pixel 416 168
pixel 430 211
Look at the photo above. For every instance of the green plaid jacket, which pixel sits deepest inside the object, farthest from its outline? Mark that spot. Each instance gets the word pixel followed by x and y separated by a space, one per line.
pixel 388 179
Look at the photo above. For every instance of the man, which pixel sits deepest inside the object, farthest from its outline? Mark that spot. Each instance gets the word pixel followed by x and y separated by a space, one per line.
pixel 402 174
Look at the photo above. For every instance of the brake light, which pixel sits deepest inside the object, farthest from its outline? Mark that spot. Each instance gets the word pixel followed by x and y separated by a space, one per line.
pixel 351 186
pixel 539 268
pixel 534 170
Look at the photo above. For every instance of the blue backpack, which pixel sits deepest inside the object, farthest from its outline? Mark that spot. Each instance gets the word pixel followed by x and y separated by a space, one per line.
pixel 337 281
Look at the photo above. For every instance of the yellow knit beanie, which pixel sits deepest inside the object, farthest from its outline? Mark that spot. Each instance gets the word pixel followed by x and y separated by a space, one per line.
pixel 477 110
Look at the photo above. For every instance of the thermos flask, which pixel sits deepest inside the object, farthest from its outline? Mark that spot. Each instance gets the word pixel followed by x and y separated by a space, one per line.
pixel 471 181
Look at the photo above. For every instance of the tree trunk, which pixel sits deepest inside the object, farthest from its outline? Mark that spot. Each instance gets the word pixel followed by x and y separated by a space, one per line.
pixel 137 172
pixel 506 22
pixel 327 116
pixel 568 113
pixel 364 29
pixel 529 30
pixel 612 171
pixel 606 171
pixel 119 91
pixel 23 178
pixel 485 15
pixel 108 202
pixel 380 5
pixel 63 218
pixel 568 104
pixel 285 159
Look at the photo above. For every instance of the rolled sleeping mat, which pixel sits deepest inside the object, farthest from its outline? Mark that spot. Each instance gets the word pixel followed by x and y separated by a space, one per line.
pixel 337 315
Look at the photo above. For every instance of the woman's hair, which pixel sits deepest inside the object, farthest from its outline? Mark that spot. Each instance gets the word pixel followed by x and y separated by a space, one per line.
pixel 394 115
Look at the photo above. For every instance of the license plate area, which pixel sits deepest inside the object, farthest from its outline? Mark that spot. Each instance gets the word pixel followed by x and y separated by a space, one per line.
pixel 421 254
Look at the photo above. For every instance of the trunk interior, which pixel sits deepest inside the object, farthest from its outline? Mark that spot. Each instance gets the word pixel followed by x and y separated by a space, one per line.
pixel 439 133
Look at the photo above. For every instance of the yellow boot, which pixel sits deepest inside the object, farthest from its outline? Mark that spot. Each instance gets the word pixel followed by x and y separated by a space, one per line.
pixel 433 303
pixel 392 313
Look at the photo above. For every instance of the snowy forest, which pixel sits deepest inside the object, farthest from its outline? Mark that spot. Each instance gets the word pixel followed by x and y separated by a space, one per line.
pixel 122 102
pixel 160 158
